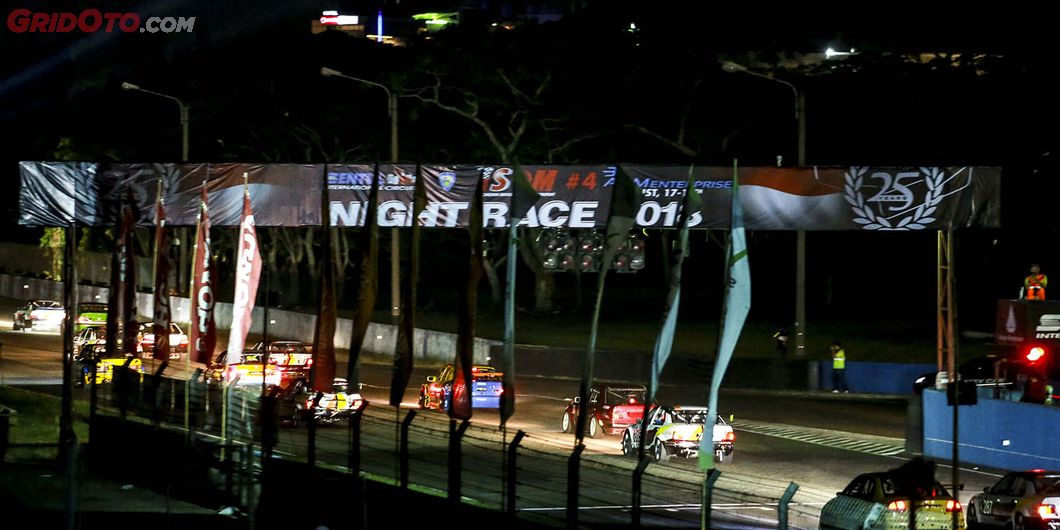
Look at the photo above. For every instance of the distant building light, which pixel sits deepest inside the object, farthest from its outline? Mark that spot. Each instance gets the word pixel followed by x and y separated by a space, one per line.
pixel 339 20
pixel 330 13
pixel 831 52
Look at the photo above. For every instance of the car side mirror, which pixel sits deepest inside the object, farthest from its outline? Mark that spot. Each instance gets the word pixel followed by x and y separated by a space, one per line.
pixel 432 379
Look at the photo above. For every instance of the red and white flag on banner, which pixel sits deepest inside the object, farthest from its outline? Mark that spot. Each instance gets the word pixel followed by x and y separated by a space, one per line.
pixel 161 316
pixel 203 328
pixel 248 270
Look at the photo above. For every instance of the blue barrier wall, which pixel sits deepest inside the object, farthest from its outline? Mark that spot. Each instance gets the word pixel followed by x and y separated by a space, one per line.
pixel 996 433
pixel 878 378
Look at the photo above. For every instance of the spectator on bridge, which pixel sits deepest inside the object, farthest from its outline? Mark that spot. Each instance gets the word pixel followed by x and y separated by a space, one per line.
pixel 1034 284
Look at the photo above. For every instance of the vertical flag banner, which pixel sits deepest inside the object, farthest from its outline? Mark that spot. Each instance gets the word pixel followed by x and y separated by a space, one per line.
pixel 737 304
pixel 203 335
pixel 460 404
pixel 161 315
pixel 665 340
pixel 367 284
pixel 128 276
pixel 524 196
pixel 323 368
pixel 248 272
pixel 625 202
pixel 115 295
pixel 403 353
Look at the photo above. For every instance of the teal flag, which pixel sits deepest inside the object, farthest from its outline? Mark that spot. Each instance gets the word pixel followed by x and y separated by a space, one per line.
pixel 736 306
pixel 524 196
pixel 625 201
pixel 665 340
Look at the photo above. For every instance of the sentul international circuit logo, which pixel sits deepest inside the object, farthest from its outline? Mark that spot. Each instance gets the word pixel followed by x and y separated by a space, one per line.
pixel 447 179
pixel 904 200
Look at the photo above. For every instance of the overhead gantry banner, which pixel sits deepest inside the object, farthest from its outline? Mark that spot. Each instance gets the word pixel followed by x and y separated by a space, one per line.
pixel 804 198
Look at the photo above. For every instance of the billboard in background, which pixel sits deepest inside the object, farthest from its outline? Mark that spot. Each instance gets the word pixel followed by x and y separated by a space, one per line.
pixel 804 198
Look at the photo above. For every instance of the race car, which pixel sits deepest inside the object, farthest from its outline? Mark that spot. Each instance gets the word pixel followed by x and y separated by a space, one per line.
pixel 93 350
pixel 90 314
pixel 612 408
pixel 38 314
pixel 1016 494
pixel 290 357
pixel 178 340
pixel 294 403
pixel 248 371
pixel 676 431
pixel 486 388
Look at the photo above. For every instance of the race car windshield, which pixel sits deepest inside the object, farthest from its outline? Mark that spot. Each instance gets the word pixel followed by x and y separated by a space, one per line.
pixel 893 488
pixel 624 396
pixel 93 308
pixel 1047 482
pixel 690 416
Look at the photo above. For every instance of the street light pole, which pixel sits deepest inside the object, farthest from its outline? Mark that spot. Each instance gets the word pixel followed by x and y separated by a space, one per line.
pixel 800 237
pixel 183 116
pixel 182 232
pixel 395 242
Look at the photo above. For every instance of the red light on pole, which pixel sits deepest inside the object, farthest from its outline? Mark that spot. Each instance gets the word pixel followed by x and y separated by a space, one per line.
pixel 1035 353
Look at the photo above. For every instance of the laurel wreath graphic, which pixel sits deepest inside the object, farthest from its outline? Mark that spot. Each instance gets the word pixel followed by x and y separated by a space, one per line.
pixel 917 220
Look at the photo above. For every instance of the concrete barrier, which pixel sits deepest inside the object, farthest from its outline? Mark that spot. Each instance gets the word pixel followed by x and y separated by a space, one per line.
pixel 876 378
pixel 428 345
pixel 996 433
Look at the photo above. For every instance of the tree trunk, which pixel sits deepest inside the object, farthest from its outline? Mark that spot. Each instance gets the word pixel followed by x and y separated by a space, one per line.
pixel 544 288
pixel 544 283
pixel 183 272
pixel 494 281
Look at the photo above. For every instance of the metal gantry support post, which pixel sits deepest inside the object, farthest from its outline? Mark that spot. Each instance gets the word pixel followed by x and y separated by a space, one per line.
pixel 512 469
pixel 573 480
pixel 403 454
pixel 782 506
pixel 355 443
pixel 638 479
pixel 456 434
pixel 708 493
pixel 947 338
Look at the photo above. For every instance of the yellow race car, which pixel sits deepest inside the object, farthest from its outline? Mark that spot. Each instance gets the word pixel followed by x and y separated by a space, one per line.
pixel 94 351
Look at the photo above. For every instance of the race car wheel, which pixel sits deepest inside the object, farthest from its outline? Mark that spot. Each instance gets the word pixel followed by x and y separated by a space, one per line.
pixel 627 444
pixel 423 401
pixel 723 458
pixel 565 423
pixel 1017 522
pixel 972 518
pixel 660 453
pixel 594 427
pixel 15 326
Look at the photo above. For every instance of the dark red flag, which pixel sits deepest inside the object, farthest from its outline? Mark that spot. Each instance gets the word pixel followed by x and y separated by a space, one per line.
pixel 203 334
pixel 161 315
pixel 324 334
pixel 248 271
pixel 127 276
pixel 403 354
pixel 460 405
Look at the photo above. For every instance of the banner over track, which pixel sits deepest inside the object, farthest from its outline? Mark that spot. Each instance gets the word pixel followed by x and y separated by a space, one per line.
pixel 805 198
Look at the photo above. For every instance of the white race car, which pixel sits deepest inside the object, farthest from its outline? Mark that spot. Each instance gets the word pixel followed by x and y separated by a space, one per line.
pixel 676 431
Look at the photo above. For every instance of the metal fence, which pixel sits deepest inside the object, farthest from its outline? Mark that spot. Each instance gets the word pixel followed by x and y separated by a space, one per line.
pixel 528 476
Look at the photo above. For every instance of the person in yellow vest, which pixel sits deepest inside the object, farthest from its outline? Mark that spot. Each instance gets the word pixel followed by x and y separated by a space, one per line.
pixel 1034 284
pixel 839 368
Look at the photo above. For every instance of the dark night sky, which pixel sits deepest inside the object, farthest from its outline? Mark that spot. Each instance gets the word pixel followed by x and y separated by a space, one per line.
pixel 54 86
